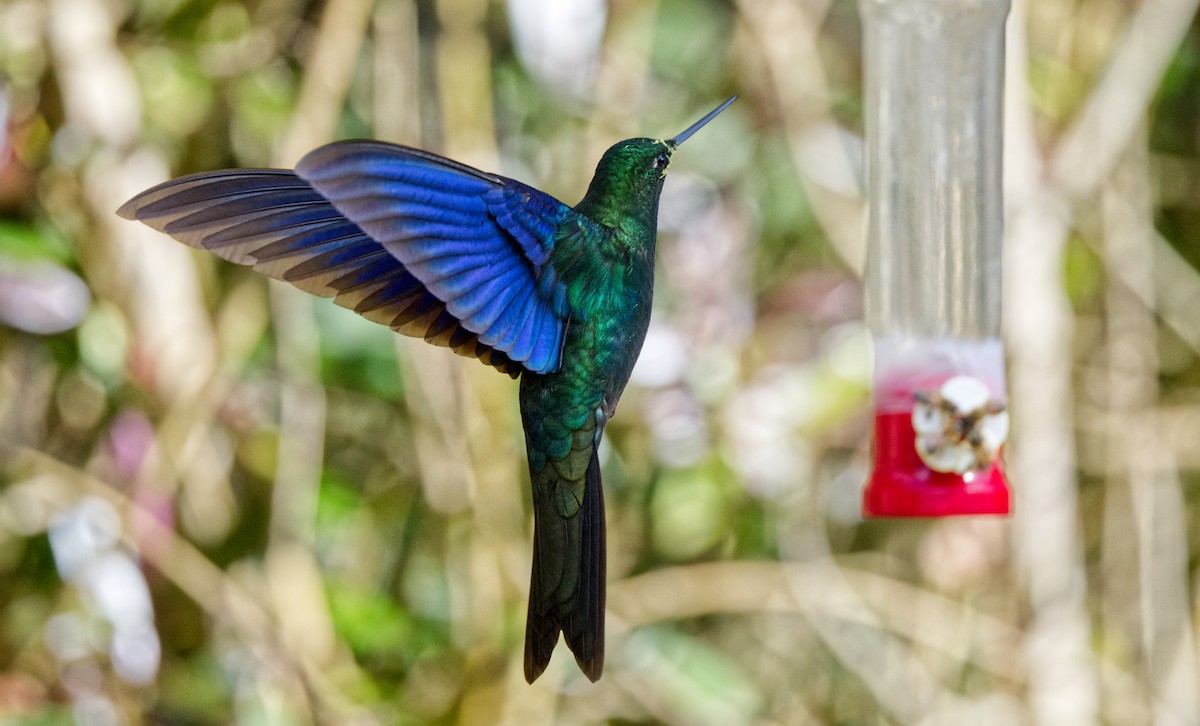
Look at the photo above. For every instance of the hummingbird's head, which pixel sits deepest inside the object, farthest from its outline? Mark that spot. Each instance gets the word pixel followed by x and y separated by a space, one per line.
pixel 629 177
pixel 637 162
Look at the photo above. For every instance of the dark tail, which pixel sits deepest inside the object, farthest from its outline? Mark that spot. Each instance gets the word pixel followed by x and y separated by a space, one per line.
pixel 578 613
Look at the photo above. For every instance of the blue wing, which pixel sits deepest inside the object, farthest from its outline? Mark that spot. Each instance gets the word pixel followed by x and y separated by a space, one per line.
pixel 477 241
pixel 422 244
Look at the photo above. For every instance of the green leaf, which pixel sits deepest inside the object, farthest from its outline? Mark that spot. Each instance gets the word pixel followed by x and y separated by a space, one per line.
pixel 33 242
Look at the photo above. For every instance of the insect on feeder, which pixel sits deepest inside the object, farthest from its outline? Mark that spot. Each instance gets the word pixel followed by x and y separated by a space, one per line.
pixel 934 72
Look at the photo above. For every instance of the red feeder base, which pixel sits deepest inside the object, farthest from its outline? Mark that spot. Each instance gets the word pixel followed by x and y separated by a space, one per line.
pixel 902 485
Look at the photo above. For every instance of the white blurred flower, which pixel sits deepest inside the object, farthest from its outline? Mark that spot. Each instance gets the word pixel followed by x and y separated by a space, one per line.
pixel 80 534
pixel 664 357
pixel 136 653
pixel 558 41
pixel 119 591
pixel 86 542
pixel 677 425
pixel 41 297
pixel 761 421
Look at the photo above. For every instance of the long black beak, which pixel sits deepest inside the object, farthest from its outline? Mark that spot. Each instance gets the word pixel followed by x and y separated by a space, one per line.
pixel 675 142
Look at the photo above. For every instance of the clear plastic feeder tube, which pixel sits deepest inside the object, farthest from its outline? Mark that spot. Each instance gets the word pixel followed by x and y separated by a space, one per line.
pixel 934 73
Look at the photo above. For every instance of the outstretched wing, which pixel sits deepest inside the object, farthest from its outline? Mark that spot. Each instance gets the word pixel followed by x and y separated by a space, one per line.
pixel 429 247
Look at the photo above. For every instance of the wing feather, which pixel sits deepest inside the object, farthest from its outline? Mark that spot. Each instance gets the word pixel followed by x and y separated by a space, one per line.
pixel 454 229
pixel 277 222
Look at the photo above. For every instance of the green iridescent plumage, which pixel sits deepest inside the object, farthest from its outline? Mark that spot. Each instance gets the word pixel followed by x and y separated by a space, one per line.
pixel 605 258
pixel 604 255
pixel 492 269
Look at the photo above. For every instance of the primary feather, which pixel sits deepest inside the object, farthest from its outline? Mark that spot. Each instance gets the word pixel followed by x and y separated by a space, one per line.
pixel 422 244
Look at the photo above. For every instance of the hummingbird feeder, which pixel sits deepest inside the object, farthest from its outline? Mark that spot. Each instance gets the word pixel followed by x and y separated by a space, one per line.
pixel 934 73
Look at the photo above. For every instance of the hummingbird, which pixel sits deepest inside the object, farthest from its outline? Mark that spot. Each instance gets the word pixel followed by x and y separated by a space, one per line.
pixel 491 268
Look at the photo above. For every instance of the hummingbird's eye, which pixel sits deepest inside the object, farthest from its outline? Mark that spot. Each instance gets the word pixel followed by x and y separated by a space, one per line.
pixel 660 161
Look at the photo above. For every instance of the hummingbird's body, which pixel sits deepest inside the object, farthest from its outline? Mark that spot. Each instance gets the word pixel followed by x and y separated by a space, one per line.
pixel 491 268
pixel 608 270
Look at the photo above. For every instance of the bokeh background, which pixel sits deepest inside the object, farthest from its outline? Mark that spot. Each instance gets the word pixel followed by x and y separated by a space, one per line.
pixel 224 502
